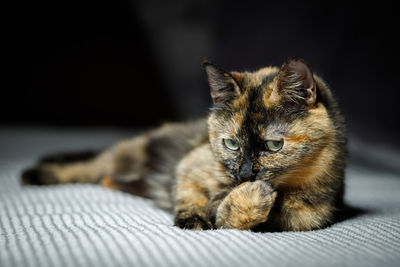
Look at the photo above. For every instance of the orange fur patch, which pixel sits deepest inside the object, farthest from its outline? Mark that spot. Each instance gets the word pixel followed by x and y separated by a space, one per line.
pixel 194 192
pixel 308 171
pixel 238 77
pixel 298 138
pixel 238 118
pixel 213 134
pixel 270 98
pixel 262 132
pixel 240 102
pixel 300 217
pixel 258 116
pixel 108 182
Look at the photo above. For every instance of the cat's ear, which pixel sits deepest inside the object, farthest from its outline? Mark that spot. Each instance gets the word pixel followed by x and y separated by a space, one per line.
pixel 223 87
pixel 295 84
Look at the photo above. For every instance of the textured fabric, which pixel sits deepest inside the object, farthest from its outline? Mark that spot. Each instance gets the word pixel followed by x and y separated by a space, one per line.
pixel 86 225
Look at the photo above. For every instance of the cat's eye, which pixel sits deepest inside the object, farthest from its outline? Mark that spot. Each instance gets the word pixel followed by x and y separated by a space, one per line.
pixel 274 145
pixel 231 144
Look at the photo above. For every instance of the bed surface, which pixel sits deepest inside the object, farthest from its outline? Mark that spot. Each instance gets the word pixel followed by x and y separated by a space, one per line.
pixel 86 225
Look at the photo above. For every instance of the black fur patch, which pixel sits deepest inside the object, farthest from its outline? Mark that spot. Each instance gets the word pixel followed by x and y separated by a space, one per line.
pixel 69 157
pixel 267 79
pixel 192 222
pixel 32 176
pixel 160 149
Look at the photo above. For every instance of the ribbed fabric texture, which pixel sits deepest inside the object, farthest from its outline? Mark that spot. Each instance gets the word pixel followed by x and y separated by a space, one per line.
pixel 86 225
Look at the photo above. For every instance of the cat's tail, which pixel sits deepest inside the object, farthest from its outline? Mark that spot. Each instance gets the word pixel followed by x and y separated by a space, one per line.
pixel 123 162
pixel 40 172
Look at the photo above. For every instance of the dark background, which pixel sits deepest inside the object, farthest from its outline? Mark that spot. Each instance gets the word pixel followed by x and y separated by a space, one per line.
pixel 138 63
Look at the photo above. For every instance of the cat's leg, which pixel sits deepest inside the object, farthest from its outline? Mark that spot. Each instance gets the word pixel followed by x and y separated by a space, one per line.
pixel 190 207
pixel 123 162
pixel 246 206
pixel 198 177
pixel 303 211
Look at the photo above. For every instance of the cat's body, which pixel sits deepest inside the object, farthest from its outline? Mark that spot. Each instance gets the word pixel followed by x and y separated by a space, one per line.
pixel 270 156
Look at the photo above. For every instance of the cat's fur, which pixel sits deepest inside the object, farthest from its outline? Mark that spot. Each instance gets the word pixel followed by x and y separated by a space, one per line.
pixel 187 168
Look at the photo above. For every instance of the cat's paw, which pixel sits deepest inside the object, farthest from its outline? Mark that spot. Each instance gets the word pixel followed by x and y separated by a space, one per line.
pixel 246 206
pixel 191 221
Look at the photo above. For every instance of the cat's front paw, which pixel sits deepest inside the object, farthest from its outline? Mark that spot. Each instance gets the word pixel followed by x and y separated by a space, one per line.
pixel 191 221
pixel 246 206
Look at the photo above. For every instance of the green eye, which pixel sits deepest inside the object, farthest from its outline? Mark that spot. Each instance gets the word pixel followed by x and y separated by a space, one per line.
pixel 231 144
pixel 274 145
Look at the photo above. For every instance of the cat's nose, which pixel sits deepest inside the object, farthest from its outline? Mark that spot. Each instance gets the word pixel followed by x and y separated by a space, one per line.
pixel 246 172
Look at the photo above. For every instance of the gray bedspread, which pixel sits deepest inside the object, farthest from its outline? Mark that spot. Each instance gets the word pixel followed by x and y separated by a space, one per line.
pixel 86 225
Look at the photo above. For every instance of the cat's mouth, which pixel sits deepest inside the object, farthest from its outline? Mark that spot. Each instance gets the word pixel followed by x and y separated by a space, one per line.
pixel 261 175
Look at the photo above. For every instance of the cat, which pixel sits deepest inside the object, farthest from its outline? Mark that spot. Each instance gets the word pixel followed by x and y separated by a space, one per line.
pixel 269 157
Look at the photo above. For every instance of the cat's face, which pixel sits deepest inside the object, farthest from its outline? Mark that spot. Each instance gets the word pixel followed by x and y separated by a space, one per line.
pixel 267 123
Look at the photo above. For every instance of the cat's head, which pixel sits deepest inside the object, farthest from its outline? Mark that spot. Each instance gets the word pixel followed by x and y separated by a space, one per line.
pixel 267 123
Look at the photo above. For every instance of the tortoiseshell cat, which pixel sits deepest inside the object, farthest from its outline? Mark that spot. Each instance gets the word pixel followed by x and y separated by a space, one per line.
pixel 270 156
